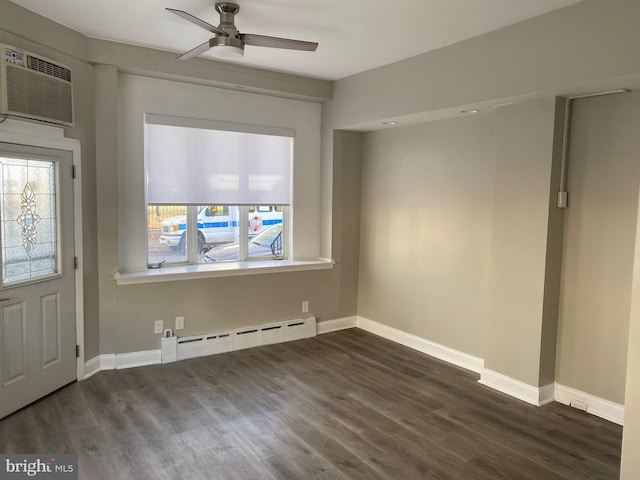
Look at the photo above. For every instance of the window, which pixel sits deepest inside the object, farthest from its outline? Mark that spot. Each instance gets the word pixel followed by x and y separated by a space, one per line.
pixel 167 229
pixel 29 220
pixel 216 192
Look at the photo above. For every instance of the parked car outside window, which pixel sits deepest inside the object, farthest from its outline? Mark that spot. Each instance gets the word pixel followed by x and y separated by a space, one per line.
pixel 267 244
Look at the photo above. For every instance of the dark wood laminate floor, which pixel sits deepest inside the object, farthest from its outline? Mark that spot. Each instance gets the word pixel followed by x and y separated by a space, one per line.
pixel 342 405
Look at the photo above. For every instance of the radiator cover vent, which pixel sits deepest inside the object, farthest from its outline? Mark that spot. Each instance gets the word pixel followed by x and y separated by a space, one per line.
pixel 182 348
pixel 34 87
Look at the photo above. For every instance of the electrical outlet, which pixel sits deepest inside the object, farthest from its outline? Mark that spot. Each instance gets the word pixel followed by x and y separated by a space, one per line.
pixel 179 323
pixel 158 326
pixel 305 306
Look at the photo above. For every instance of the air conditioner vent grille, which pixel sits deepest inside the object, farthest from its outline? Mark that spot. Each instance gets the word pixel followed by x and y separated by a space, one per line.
pixel 39 96
pixel 49 68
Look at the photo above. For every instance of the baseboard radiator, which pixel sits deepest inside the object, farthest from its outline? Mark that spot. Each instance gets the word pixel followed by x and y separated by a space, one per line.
pixel 181 348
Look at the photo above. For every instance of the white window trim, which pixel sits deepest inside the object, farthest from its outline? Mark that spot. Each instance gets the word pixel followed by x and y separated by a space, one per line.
pixel 222 269
pixel 192 234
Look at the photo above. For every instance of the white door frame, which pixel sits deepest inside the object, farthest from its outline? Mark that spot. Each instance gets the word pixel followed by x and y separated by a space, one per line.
pixel 48 136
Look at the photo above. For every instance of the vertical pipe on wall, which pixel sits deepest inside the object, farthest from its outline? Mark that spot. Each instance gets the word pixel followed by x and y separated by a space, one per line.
pixel 562 193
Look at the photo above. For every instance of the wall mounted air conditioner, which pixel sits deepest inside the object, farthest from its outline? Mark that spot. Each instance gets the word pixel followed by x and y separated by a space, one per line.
pixel 35 87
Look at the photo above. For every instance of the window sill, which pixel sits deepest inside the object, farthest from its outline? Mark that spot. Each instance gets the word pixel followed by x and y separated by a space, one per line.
pixel 217 270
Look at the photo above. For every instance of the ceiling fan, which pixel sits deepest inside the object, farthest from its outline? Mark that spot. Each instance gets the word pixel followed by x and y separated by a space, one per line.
pixel 228 42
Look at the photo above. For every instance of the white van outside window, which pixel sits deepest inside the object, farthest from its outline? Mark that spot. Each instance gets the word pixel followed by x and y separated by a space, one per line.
pixel 216 224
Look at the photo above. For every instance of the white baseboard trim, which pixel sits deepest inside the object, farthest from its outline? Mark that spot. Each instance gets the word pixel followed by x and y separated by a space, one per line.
pixel 138 359
pixel 611 411
pixel 328 326
pixel 92 367
pixel 108 361
pixel 547 394
pixel 441 352
pixel 523 391
pixel 614 412
pixel 111 361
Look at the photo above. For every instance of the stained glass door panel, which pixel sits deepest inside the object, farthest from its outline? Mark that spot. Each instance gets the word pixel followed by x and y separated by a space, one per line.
pixel 28 220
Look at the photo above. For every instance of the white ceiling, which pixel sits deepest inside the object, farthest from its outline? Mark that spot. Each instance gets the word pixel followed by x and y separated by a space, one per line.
pixel 354 35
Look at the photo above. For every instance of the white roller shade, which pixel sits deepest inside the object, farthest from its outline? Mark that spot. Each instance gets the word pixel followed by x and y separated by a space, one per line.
pixel 201 166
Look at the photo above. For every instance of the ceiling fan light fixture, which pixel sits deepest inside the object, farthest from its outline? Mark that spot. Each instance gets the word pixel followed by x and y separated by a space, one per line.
pixel 226 48
pixel 227 52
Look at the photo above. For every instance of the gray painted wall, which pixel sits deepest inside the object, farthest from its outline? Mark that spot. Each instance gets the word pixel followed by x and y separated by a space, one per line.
pixel 217 304
pixel 520 236
pixel 106 107
pixel 427 201
pixel 347 156
pixel 604 174
pixel 455 235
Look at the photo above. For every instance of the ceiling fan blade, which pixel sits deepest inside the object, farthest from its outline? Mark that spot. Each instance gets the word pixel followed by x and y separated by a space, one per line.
pixel 201 23
pixel 277 42
pixel 194 52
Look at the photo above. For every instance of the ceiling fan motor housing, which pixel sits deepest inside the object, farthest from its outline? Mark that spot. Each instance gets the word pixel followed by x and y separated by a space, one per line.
pixel 227 13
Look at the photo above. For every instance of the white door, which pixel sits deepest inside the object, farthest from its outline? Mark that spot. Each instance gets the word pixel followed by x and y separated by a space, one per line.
pixel 37 289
